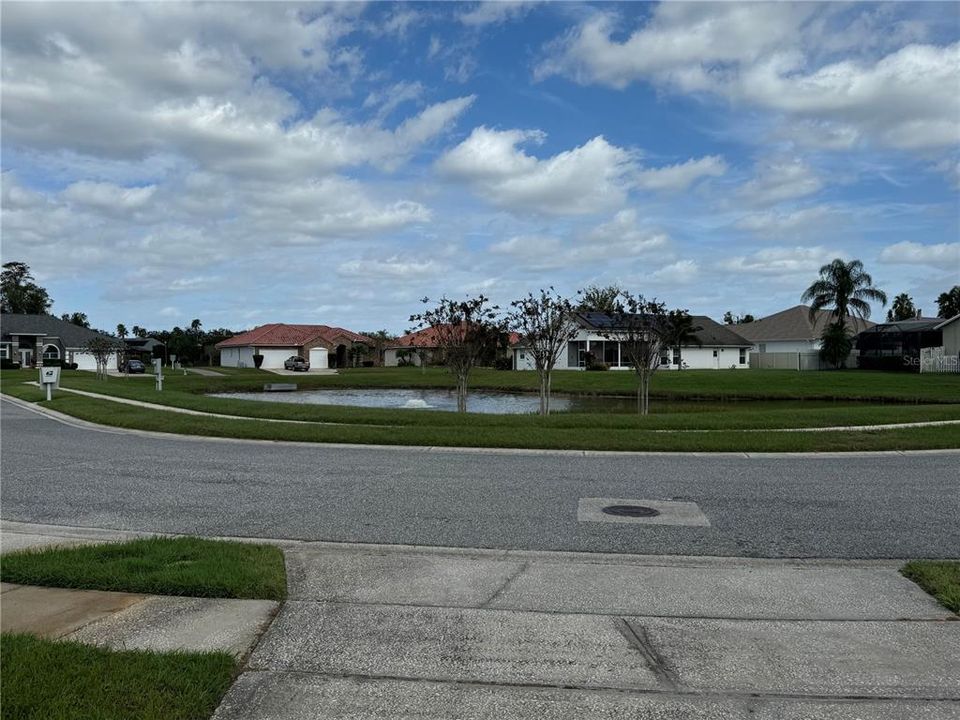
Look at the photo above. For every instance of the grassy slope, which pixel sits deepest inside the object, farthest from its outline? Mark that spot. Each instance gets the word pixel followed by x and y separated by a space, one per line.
pixel 572 431
pixel 530 436
pixel 56 680
pixel 939 578
pixel 166 566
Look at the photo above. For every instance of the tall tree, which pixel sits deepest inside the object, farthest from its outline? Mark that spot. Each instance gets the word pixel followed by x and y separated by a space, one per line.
pixel 599 299
pixel 640 326
pixel 121 331
pixel 19 293
pixel 380 339
pixel 729 319
pixel 138 331
pixel 102 348
pixel 845 286
pixel 901 309
pixel 78 318
pixel 948 303
pixel 545 323
pixel 462 330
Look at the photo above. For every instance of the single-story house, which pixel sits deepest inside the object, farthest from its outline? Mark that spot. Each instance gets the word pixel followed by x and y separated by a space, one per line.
pixel 950 330
pixel 897 345
pixel 717 347
pixel 144 349
pixel 31 339
pixel 420 346
pixel 322 345
pixel 792 330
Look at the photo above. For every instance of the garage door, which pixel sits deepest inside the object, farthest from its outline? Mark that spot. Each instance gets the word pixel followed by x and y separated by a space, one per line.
pixel 318 358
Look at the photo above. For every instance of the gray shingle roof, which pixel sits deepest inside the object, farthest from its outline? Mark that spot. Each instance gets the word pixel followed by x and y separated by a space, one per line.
pixel 793 324
pixel 709 332
pixel 71 336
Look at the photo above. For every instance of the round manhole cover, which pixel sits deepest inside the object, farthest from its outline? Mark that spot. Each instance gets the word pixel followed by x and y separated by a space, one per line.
pixel 630 511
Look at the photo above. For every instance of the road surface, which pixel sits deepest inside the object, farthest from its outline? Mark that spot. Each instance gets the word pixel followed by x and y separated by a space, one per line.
pixel 869 506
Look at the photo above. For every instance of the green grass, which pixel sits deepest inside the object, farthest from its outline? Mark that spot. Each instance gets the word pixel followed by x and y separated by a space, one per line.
pixel 742 400
pixel 59 680
pixel 535 433
pixel 940 578
pixel 165 566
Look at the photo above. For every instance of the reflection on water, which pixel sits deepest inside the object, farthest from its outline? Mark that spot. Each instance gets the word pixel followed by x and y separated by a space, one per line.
pixel 478 401
pixel 507 403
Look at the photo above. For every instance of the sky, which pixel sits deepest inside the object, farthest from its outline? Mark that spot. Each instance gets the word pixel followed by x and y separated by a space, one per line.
pixel 246 163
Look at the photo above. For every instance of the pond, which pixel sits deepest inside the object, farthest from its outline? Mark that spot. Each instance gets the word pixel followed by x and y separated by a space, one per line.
pixel 478 401
pixel 504 403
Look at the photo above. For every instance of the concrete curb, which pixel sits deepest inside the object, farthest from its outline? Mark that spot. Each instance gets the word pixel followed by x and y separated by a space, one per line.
pixel 77 532
pixel 86 425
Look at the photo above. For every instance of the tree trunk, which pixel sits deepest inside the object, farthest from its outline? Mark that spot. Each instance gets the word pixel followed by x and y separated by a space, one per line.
pixel 543 393
pixel 549 384
pixel 640 395
pixel 461 393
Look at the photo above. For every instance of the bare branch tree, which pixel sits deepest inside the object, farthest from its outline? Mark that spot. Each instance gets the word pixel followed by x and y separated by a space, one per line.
pixel 102 348
pixel 546 324
pixel 462 330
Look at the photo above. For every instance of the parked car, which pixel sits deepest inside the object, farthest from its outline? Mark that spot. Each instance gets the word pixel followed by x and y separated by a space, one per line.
pixel 295 362
pixel 134 366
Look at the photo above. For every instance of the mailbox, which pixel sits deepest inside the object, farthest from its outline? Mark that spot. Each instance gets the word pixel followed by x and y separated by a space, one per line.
pixel 50 378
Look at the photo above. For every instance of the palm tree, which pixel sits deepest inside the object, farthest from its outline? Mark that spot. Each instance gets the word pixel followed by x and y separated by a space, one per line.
pixel 902 308
pixel 845 286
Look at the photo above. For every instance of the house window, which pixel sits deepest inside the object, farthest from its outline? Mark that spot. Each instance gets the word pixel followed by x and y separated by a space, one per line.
pixel 665 358
pixel 51 352
pixel 714 353
pixel 521 356
pixel 5 351
pixel 743 356
pixel 763 348
pixel 676 356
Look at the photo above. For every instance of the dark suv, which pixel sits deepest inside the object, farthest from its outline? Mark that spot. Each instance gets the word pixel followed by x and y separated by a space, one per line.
pixel 134 366
pixel 295 362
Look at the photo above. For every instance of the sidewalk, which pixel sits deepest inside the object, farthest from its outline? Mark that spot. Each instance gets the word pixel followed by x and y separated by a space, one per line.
pixel 401 632
pixel 382 632
pixel 125 621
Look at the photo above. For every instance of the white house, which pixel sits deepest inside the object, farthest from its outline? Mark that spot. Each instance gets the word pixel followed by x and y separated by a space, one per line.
pixel 322 345
pixel 792 330
pixel 716 347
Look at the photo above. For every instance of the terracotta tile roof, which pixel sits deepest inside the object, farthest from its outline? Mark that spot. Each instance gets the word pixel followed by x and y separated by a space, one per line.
pixel 283 335
pixel 427 338
pixel 794 324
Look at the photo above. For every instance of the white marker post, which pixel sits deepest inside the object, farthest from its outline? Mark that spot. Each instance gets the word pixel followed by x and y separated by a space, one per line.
pixel 49 377
pixel 158 371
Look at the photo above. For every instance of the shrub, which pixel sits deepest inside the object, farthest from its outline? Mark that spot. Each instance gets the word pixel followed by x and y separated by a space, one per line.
pixel 368 363
pixel 52 362
pixel 503 363
pixel 7 364
pixel 598 366
pixel 257 361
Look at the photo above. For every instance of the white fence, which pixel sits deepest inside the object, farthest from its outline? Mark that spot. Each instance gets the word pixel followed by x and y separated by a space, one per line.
pixel 809 360
pixel 932 360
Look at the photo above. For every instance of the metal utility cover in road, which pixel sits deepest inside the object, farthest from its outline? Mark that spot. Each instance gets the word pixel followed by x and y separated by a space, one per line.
pixel 620 510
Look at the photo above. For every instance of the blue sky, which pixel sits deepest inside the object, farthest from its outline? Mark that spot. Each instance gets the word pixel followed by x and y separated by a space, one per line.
pixel 249 163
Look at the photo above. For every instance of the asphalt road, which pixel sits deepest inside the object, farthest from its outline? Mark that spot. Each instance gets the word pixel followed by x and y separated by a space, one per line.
pixel 865 506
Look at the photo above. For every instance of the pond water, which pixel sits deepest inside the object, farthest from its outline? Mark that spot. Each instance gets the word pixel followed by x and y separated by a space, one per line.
pixel 505 403
pixel 478 401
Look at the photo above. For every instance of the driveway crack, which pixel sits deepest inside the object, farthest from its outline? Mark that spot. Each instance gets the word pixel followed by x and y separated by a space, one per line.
pixel 638 639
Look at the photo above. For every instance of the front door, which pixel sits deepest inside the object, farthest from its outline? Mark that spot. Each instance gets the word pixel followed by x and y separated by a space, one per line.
pixel 26 357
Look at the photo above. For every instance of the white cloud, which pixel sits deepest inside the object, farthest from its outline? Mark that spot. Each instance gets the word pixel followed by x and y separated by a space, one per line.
pixel 766 54
pixel 492 12
pixel 586 179
pixel 782 261
pixel 682 175
pixel 772 223
pixel 681 272
pixel 945 256
pixel 393 268
pixel 780 179
pixel 109 197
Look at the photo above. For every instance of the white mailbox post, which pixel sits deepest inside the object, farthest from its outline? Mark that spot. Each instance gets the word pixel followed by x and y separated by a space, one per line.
pixel 49 377
pixel 158 372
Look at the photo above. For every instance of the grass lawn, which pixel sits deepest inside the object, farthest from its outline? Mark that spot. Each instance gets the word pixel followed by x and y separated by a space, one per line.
pixel 165 566
pixel 940 578
pixel 724 402
pixel 59 680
